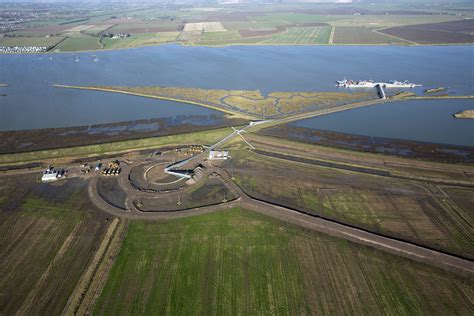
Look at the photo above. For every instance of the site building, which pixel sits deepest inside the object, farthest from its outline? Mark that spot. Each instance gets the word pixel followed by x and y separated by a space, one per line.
pixel 50 176
pixel 218 155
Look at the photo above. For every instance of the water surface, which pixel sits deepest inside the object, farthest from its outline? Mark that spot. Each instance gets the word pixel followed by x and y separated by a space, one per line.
pixel 32 102
pixel 419 120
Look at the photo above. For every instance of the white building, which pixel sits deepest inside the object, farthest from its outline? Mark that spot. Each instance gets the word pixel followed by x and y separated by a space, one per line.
pixel 50 176
pixel 218 155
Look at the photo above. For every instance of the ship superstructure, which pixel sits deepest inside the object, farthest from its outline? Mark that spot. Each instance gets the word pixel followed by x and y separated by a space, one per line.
pixel 372 84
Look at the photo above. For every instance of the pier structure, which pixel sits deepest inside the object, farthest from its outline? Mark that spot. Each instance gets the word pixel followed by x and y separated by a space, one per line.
pixel 381 91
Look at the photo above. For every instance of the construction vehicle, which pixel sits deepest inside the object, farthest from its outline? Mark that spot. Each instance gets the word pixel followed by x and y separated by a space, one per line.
pixel 114 164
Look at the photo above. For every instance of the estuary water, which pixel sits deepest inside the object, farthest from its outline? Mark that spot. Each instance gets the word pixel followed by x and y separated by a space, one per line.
pixel 418 120
pixel 32 102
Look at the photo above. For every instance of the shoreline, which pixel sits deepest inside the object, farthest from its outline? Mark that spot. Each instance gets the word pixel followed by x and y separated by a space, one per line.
pixel 22 141
pixel 388 147
pixel 234 114
pixel 465 114
pixel 241 44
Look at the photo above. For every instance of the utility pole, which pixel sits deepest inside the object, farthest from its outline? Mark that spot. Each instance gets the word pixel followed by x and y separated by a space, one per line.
pixel 225 195
pixel 320 203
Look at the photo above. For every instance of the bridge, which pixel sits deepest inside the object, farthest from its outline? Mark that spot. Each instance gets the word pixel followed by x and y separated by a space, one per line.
pixel 173 168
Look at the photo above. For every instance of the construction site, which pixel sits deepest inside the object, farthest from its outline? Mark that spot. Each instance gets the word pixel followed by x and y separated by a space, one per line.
pixel 417 211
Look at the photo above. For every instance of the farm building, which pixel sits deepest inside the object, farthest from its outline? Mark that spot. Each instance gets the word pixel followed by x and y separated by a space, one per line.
pixel 218 155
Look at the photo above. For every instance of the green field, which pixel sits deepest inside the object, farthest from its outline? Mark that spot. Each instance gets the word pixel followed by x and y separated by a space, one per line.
pixel 140 40
pixel 78 44
pixel 30 41
pixel 240 262
pixel 301 35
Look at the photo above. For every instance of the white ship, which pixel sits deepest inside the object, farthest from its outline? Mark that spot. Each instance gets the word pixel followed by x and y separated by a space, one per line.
pixel 372 84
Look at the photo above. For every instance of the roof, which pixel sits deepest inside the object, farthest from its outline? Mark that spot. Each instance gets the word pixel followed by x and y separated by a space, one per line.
pixel 49 177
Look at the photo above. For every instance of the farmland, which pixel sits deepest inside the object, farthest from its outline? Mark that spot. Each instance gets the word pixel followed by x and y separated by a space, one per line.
pixel 204 27
pixel 30 41
pixel 220 36
pixel 301 35
pixel 362 35
pixel 389 20
pixel 400 208
pixel 48 235
pixel 240 262
pixel 140 40
pixel 78 43
pixel 290 18
pixel 137 28
pixel 283 24
pixel 447 32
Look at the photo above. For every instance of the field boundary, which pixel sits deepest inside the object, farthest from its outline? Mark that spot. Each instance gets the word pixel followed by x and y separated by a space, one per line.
pixel 396 37
pixel 331 36
pixel 90 285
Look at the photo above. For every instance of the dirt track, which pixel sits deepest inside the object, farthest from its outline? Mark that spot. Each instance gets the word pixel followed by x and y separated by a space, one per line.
pixel 391 245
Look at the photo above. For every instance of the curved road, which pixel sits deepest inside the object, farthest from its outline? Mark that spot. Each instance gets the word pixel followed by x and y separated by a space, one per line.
pixel 405 249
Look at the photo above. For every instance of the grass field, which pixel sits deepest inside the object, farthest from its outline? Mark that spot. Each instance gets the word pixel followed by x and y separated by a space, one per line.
pixel 140 40
pixel 48 234
pixel 30 41
pixel 400 208
pixel 78 43
pixel 362 35
pixel 239 262
pixel 301 35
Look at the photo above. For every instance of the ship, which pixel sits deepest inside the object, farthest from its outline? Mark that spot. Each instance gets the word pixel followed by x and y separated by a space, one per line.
pixel 372 84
